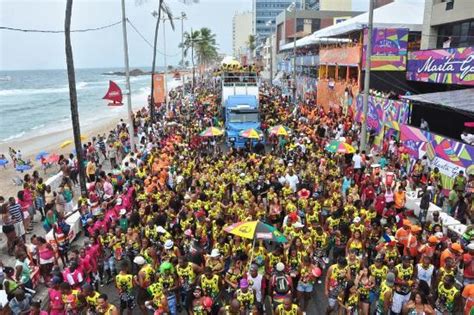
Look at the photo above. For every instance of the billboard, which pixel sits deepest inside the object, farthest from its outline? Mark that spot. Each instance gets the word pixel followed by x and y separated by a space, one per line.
pixel 389 49
pixel 159 88
pixel 382 110
pixel 448 155
pixel 343 56
pixel 447 66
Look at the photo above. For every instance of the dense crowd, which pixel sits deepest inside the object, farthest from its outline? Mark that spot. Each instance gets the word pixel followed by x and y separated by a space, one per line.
pixel 156 223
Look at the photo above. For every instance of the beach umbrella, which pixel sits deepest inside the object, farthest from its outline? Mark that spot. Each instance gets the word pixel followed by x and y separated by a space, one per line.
pixel 65 144
pixel 279 130
pixel 250 133
pixel 53 158
pixel 212 132
pixel 336 146
pixel 23 167
pixel 3 162
pixel 256 230
pixel 41 155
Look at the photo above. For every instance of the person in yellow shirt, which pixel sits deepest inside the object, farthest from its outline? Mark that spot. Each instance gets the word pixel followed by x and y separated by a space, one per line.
pixel 124 285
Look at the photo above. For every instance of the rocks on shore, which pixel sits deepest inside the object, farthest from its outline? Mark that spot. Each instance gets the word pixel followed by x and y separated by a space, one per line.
pixel 133 73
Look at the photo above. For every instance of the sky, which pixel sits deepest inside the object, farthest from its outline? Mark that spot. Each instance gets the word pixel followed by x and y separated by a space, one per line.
pixel 103 49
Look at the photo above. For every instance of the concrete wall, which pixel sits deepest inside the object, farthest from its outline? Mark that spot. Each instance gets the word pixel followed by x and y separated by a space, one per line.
pixel 462 10
pixel 241 29
pixel 436 14
pixel 336 5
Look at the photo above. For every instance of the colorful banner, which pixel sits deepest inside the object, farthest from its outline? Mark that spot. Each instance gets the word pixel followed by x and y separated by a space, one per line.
pixel 449 155
pixel 448 66
pixel 389 49
pixel 159 88
pixel 381 110
pixel 343 56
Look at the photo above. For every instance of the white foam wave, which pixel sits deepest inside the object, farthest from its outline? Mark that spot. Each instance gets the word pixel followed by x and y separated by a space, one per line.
pixel 19 92
pixel 13 137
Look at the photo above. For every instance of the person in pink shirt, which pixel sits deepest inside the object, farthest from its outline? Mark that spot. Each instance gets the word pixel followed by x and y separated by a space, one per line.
pixel 56 305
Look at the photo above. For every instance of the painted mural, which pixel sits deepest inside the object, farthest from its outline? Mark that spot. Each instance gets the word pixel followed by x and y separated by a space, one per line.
pixel 448 66
pixel 449 155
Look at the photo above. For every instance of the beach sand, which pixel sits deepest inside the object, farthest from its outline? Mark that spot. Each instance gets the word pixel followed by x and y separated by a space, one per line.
pixel 50 143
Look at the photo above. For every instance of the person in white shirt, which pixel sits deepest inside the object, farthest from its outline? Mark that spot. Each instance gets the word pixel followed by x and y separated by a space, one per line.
pixel 357 159
pixel 292 179
pixel 255 281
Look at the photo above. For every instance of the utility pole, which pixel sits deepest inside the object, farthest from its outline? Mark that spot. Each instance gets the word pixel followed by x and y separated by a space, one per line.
pixel 292 8
pixel 270 23
pixel 294 58
pixel 166 66
pixel 127 79
pixel 368 56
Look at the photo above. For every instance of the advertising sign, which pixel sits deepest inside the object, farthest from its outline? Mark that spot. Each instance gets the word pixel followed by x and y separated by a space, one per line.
pixel 447 66
pixel 448 155
pixel 389 49
pixel 343 56
pixel 159 88
pixel 382 110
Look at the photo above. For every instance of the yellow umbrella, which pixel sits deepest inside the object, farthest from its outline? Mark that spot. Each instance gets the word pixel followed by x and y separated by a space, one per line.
pixel 251 133
pixel 278 130
pixel 212 132
pixel 65 144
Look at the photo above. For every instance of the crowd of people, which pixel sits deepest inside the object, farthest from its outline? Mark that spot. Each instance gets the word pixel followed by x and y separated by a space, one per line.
pixel 156 223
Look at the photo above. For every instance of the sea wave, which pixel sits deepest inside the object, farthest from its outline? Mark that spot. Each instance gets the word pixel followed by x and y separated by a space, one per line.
pixel 15 136
pixel 22 92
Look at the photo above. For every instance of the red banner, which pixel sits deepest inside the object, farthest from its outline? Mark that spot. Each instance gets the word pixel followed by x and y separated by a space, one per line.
pixel 343 56
pixel 159 88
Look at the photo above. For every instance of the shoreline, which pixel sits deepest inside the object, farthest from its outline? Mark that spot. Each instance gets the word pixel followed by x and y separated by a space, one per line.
pixel 31 144
pixel 49 143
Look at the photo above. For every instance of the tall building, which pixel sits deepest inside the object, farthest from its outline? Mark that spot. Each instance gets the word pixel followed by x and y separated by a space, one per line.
pixel 241 29
pixel 448 23
pixel 265 11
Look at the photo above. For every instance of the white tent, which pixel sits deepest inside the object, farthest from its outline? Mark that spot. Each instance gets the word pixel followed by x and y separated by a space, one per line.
pixel 398 14
pixel 312 40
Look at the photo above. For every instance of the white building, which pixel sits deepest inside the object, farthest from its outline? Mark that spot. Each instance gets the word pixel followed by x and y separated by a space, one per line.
pixel 241 29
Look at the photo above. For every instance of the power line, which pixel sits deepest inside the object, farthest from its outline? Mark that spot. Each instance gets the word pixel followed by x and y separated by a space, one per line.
pixel 6 28
pixel 147 41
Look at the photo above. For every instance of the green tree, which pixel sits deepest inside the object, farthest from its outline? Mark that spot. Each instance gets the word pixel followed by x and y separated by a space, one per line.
pixel 251 46
pixel 206 47
pixel 191 40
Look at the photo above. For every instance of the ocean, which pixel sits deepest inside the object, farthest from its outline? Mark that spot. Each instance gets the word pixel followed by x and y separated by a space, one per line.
pixel 37 101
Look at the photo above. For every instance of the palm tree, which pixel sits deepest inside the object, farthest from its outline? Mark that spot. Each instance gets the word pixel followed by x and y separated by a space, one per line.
pixel 191 39
pixel 206 47
pixel 76 129
pixel 251 46
pixel 165 10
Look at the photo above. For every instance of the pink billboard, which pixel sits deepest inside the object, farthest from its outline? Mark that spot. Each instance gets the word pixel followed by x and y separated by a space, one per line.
pixel 447 66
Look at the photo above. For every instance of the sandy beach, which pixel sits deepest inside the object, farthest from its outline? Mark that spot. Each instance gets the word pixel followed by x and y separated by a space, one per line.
pixel 31 145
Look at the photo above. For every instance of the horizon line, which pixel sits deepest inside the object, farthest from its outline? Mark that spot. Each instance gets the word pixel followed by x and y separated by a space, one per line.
pixel 85 68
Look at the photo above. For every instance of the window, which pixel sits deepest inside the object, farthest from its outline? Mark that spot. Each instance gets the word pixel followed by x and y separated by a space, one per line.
pixel 243 117
pixel 460 34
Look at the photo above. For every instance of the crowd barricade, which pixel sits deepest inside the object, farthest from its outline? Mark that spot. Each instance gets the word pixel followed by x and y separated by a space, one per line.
pixel 54 181
pixel 448 222
pixel 74 220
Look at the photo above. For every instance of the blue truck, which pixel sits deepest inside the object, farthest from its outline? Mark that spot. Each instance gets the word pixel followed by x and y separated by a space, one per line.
pixel 240 105
pixel 241 113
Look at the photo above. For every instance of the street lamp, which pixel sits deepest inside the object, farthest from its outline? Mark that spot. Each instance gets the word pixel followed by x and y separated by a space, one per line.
pixel 270 23
pixel 292 8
